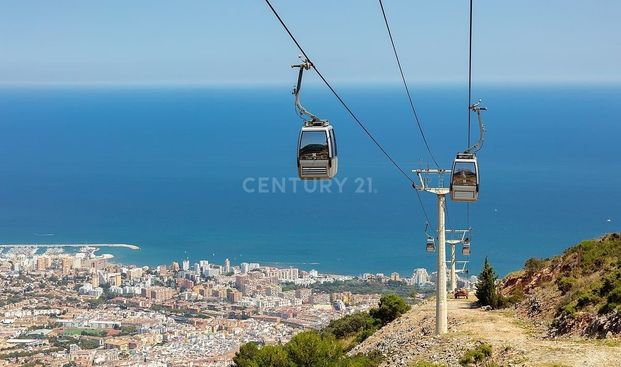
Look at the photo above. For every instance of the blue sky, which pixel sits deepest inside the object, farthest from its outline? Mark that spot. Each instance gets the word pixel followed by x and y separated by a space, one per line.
pixel 239 41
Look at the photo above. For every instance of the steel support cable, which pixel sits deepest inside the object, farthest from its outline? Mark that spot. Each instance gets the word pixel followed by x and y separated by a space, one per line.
pixel 405 85
pixel 469 94
pixel 468 215
pixel 351 113
pixel 469 72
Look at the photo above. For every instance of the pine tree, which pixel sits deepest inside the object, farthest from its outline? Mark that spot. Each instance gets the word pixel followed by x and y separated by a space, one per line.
pixel 486 286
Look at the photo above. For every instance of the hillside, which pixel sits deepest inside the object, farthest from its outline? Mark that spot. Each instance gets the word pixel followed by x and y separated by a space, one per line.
pixel 573 295
pixel 576 293
pixel 410 342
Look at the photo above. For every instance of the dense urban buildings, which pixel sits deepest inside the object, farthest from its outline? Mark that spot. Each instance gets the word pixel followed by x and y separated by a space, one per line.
pixel 81 309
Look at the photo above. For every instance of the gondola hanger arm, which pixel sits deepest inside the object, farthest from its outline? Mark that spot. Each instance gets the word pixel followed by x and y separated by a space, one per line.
pixel 305 65
pixel 477 108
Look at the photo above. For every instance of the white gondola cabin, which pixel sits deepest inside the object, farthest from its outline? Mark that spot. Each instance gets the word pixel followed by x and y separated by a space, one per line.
pixel 465 178
pixel 431 244
pixel 465 249
pixel 317 154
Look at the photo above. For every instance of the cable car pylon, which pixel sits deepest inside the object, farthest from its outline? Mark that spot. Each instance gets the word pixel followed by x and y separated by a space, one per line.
pixel 457 236
pixel 440 191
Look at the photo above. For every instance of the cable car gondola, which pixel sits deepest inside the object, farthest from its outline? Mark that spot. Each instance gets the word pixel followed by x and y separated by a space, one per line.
pixel 465 178
pixel 465 248
pixel 465 172
pixel 317 154
pixel 317 151
pixel 431 244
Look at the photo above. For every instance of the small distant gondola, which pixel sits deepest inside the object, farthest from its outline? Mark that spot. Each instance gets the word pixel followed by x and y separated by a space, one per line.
pixel 465 248
pixel 431 244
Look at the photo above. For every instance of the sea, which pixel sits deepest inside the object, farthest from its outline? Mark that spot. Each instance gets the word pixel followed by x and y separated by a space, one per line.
pixel 209 172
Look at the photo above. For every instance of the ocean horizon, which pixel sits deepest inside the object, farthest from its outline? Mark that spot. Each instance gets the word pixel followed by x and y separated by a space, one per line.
pixel 210 173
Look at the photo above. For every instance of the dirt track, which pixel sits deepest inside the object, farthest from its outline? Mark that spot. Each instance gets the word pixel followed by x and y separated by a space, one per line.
pixel 515 342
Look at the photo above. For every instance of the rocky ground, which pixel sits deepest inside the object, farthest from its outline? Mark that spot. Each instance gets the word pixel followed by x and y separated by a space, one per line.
pixel 576 293
pixel 515 342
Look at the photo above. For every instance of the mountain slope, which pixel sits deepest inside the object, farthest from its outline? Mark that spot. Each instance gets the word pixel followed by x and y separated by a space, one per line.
pixel 574 295
pixel 578 292
pixel 514 342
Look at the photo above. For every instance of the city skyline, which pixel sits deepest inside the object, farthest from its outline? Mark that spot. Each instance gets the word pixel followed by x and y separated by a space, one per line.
pixel 145 313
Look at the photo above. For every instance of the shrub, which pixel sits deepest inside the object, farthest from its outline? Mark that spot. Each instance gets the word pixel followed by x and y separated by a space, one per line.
pixel 608 307
pixel 390 307
pixel 615 296
pixel 246 355
pixel 350 324
pixel 313 349
pixel 533 265
pixel 364 334
pixel 611 289
pixel 587 299
pixel 273 356
pixel 598 254
pixel 88 344
pixel 565 284
pixel 477 355
pixel 373 359
pixel 569 310
pixel 306 349
pixel 361 325
pixel 426 364
pixel 607 286
pixel 516 296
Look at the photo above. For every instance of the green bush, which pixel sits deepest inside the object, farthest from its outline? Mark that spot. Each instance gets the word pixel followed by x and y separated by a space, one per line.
pixel 93 332
pixel 351 324
pixel 615 296
pixel 516 296
pixel 606 308
pixel 273 356
pixel 569 310
pixel 306 349
pixel 311 349
pixel 426 364
pixel 326 349
pixel 587 299
pixel 611 291
pixel 88 343
pixel 607 286
pixel 390 307
pixel 246 355
pixel 477 355
pixel 364 334
pixel 596 255
pixel 533 265
pixel 565 284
